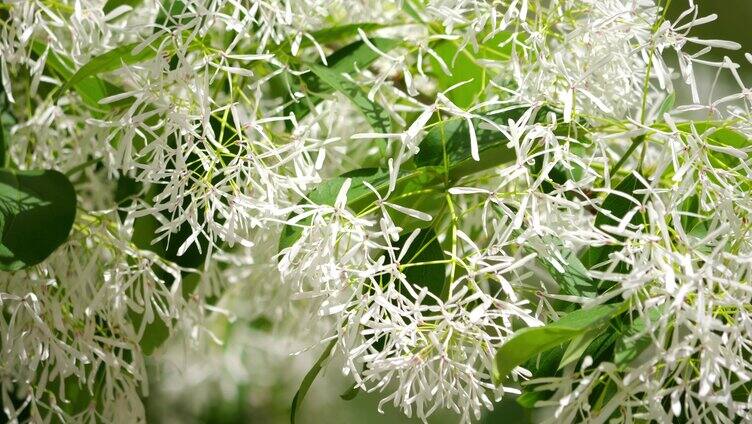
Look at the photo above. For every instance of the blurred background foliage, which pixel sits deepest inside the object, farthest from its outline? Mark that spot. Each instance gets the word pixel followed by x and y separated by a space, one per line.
pixel 272 378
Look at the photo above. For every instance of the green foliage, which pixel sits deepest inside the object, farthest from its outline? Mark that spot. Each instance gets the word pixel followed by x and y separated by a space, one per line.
pixel 577 348
pixel 347 60
pixel 615 207
pixel 359 196
pixel 465 65
pixel 376 116
pixel 530 341
pixel 444 155
pixel 666 105
pixel 448 143
pixel 6 120
pixel 37 210
pixel 169 14
pixel 350 393
pixel 113 4
pixel 422 263
pixel 574 279
pixel 91 88
pixel 113 60
pixel 332 34
pixel 309 379
pixel 635 340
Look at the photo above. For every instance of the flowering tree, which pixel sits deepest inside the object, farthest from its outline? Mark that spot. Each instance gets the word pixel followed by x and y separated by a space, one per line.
pixel 465 199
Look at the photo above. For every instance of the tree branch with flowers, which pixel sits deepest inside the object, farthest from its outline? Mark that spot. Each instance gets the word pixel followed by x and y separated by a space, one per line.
pixel 457 201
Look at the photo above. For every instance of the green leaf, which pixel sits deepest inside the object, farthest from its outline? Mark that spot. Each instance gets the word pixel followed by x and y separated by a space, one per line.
pixel 530 341
pixel 424 248
pixel 326 194
pixel 465 65
pixel 3 143
pixel 635 339
pixel 574 279
pixel 409 8
pixel 576 348
pixel 529 398
pixel 346 60
pixel 155 333
pixel 168 14
pixel 308 380
pixel 723 137
pixel 666 106
pixel 113 4
pixel 426 178
pixel 617 207
pixel 6 120
pixel 111 61
pixel 351 393
pixel 145 228
pixel 359 196
pixel 376 116
pixel 91 88
pixel 333 34
pixel 453 137
pixel 543 365
pixel 37 210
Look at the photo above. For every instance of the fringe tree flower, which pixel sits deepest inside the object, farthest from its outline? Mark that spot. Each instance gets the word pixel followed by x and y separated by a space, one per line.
pixel 453 201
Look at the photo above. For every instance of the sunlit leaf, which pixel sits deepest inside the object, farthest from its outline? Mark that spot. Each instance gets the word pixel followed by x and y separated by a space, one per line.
pixel 530 341
pixel 573 279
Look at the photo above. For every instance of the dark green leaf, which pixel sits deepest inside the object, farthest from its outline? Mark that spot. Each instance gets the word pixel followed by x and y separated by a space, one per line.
pixel 530 341
pixel 113 4
pixel 155 333
pixel 6 120
pixel 3 143
pixel 308 380
pixel 351 393
pixel 617 207
pixel 376 116
pixel 262 323
pixel 37 210
pixel 543 365
pixel 576 348
pixel 424 248
pixel 169 14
